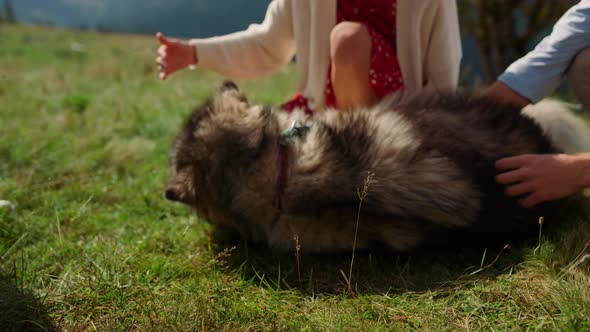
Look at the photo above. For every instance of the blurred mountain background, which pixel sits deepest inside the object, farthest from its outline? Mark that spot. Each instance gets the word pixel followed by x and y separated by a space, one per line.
pixel 181 18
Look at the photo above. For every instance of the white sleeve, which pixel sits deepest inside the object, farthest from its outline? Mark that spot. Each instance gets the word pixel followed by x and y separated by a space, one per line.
pixel 256 51
pixel 538 73
pixel 443 57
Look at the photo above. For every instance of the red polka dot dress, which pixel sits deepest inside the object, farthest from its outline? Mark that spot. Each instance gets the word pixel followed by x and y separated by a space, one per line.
pixel 379 17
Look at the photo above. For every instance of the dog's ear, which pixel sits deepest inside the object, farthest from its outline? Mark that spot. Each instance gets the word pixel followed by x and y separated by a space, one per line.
pixel 229 106
pixel 228 85
pixel 229 89
pixel 241 123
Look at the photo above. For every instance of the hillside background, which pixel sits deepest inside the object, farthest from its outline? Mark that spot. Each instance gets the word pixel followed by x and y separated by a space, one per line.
pixel 181 18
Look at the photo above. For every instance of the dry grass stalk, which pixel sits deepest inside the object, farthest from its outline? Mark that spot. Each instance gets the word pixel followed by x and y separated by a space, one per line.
pixel 362 194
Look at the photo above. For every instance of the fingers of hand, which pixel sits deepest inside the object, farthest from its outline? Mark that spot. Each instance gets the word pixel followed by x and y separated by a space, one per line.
pixel 513 162
pixel 162 39
pixel 531 200
pixel 164 72
pixel 519 189
pixel 162 61
pixel 163 50
pixel 162 65
pixel 513 176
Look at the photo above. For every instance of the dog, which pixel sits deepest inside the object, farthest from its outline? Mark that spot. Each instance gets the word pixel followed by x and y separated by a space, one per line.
pixel 401 176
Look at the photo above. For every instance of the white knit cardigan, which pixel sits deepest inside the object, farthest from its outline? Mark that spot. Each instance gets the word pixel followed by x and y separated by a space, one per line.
pixel 428 45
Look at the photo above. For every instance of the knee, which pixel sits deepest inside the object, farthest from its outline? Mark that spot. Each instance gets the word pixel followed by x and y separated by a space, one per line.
pixel 578 76
pixel 350 42
pixel 580 67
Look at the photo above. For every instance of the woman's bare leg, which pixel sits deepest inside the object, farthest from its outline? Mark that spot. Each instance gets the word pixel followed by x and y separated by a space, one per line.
pixel 350 55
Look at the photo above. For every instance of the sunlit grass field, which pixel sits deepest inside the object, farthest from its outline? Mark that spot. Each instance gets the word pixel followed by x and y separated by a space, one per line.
pixel 85 127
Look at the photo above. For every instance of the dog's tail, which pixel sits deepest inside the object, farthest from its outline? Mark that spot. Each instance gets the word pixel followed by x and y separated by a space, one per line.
pixel 568 132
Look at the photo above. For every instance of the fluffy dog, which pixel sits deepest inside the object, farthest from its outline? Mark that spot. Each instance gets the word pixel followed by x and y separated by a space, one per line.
pixel 427 164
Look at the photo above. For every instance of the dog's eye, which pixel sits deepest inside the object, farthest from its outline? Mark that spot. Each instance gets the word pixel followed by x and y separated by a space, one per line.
pixel 185 161
pixel 181 165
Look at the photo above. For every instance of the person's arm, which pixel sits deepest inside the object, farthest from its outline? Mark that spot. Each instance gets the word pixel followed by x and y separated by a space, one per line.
pixel 443 57
pixel 544 177
pixel 501 92
pixel 538 73
pixel 259 50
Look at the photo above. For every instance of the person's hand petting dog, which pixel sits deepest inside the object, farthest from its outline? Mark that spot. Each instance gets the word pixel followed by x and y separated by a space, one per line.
pixel 543 177
pixel 174 55
pixel 564 54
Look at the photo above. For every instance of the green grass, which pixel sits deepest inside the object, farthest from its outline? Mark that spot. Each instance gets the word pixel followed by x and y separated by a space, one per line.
pixel 85 127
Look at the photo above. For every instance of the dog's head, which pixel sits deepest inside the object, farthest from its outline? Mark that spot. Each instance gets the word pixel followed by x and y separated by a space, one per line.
pixel 218 144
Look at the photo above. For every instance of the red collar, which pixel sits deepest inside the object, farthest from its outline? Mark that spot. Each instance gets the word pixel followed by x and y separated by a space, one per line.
pixel 286 139
pixel 283 176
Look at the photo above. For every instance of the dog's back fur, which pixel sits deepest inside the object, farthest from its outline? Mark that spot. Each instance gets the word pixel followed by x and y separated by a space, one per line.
pixel 432 161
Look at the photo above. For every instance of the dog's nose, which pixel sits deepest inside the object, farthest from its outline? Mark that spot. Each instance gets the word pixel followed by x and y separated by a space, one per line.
pixel 171 195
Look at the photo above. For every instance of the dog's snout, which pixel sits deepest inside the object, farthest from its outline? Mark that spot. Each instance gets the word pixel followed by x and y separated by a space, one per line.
pixel 171 195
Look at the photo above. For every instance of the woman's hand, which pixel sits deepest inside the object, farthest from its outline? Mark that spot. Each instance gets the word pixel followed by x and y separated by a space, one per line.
pixel 174 55
pixel 543 177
